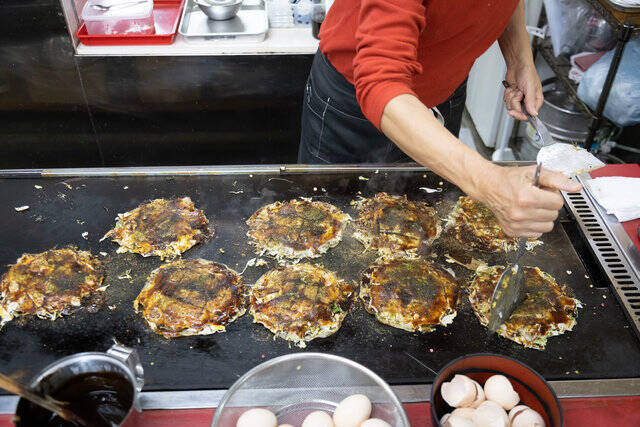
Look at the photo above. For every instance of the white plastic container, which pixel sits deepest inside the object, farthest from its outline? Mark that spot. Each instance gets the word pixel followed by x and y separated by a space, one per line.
pixel 126 17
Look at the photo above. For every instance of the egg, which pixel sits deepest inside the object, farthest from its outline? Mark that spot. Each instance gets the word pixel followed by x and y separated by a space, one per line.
pixel 459 392
pixel 464 413
pixel 352 411
pixel 479 396
pixel 525 417
pixel 257 417
pixel 375 422
pixel 516 410
pixel 454 421
pixel 317 419
pixel 490 414
pixel 499 389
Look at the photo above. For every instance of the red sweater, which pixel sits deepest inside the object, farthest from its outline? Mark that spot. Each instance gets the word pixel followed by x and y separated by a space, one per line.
pixel 386 48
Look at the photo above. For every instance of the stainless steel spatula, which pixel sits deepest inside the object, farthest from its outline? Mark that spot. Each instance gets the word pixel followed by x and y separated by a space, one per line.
pixel 509 292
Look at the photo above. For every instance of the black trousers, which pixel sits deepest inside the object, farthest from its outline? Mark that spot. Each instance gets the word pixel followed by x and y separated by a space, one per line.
pixel 334 130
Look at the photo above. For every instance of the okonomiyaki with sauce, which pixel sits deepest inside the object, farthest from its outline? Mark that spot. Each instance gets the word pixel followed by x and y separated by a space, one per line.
pixel 549 309
pixel 162 227
pixel 50 284
pixel 301 302
pixel 413 294
pixel 296 229
pixel 474 226
pixel 191 297
pixel 392 224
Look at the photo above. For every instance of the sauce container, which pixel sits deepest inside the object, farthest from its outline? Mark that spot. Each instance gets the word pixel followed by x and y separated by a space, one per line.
pixel 100 387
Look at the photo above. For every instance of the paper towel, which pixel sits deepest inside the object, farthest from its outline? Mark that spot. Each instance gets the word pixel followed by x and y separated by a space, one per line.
pixel 618 195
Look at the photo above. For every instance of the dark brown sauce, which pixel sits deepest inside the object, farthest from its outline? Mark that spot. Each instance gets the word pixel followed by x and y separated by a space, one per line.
pixel 101 399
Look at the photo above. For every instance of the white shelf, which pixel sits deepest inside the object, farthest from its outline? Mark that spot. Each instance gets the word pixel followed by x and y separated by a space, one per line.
pixel 279 41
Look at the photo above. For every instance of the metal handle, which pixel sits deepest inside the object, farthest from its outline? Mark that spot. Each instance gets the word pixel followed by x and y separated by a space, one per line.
pixel 129 356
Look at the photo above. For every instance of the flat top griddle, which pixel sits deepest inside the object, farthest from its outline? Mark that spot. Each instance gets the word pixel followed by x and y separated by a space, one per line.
pixel 601 346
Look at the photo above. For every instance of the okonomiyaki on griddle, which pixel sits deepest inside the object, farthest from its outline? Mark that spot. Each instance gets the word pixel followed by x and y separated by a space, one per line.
pixel 548 309
pixel 392 224
pixel 413 294
pixel 162 227
pixel 301 302
pixel 474 226
pixel 50 284
pixel 191 297
pixel 296 229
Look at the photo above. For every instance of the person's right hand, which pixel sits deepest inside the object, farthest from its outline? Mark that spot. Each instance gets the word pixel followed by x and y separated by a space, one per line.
pixel 522 209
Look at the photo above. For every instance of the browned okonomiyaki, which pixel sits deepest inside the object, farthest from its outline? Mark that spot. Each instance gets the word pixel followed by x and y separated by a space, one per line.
pixel 296 229
pixel 162 227
pixel 50 284
pixel 191 297
pixel 474 226
pixel 392 224
pixel 548 309
pixel 413 294
pixel 301 302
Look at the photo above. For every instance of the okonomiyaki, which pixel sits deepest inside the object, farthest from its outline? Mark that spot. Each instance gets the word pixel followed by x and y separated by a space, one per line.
pixel 391 224
pixel 413 294
pixel 301 302
pixel 191 297
pixel 474 225
pixel 296 229
pixel 162 227
pixel 548 309
pixel 49 284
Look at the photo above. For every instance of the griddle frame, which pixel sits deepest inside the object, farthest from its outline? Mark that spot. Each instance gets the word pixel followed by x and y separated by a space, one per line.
pixel 612 247
pixel 203 399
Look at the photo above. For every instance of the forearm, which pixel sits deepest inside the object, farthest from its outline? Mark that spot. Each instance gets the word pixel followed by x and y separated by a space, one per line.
pixel 514 41
pixel 416 131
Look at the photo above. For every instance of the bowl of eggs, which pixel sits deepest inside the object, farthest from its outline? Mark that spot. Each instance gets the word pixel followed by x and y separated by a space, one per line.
pixel 310 390
pixel 491 390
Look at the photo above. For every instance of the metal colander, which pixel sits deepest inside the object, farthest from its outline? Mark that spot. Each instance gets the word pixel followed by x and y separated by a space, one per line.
pixel 295 385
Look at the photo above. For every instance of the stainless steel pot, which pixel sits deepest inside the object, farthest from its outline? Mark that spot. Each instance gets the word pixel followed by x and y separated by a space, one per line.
pixel 219 10
pixel 563 117
pixel 118 359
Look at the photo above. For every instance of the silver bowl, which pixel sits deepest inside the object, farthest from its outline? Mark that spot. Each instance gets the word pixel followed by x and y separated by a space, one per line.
pixel 294 385
pixel 219 10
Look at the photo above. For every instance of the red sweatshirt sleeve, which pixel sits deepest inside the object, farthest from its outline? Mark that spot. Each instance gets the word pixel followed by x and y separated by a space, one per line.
pixel 386 52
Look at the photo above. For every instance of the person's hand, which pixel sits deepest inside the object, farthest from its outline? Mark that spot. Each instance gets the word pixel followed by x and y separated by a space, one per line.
pixel 524 84
pixel 522 209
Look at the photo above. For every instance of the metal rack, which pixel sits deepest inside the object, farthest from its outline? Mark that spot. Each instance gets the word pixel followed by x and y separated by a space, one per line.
pixel 625 21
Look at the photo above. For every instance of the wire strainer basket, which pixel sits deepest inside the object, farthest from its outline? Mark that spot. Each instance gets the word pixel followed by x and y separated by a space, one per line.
pixel 295 385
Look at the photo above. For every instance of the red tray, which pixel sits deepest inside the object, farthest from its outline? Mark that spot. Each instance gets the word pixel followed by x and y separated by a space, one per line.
pixel 166 16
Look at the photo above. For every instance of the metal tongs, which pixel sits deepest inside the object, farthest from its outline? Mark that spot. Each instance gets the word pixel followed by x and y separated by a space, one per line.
pixel 509 292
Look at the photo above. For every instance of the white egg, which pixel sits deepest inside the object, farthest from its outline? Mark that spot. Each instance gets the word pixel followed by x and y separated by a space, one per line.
pixel 513 412
pixel 375 422
pixel 464 413
pixel 318 419
pixel 499 389
pixel 479 396
pixel 257 417
pixel 454 421
pixel 459 392
pixel 490 414
pixel 352 411
pixel 527 418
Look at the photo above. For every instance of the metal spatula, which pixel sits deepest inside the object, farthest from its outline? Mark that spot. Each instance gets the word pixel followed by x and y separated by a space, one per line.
pixel 509 292
pixel 544 136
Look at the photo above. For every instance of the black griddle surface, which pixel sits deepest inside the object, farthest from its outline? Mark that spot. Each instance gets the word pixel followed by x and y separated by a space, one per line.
pixel 602 344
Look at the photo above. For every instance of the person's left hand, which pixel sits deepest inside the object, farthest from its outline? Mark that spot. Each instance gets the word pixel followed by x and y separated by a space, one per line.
pixel 524 83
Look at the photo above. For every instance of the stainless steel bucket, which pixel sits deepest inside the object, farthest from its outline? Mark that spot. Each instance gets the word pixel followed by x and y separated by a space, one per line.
pixel 118 359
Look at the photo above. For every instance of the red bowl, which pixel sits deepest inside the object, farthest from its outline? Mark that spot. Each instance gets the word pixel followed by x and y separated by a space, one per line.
pixel 534 391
